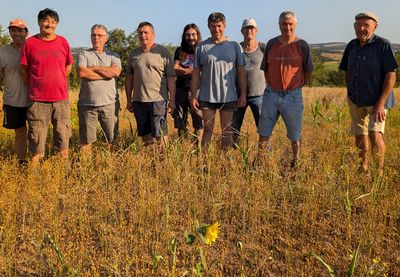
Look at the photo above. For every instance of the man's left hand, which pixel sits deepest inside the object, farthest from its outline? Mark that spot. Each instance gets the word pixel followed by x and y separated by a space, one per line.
pixel 380 113
pixel 242 102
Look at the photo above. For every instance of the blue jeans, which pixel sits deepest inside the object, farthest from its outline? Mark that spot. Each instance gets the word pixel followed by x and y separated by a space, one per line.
pixel 255 104
pixel 288 104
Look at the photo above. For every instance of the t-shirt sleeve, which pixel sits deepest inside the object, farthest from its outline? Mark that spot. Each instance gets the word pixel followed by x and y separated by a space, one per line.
pixel 24 57
pixel 389 62
pixel 129 69
pixel 197 55
pixel 239 55
pixel 169 72
pixel 177 54
pixel 264 63
pixel 82 60
pixel 307 57
pixel 115 60
pixel 70 59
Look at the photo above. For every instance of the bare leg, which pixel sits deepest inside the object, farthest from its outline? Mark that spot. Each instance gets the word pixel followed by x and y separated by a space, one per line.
pixel 163 142
pixel 198 135
pixel 262 145
pixel 64 153
pixel 226 121
pixel 85 149
pixel 147 140
pixel 363 145
pixel 20 143
pixel 378 148
pixel 209 122
pixel 37 157
pixel 296 145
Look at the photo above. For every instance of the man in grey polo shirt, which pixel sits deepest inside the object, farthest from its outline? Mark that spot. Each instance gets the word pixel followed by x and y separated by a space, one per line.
pixel 370 66
pixel 97 67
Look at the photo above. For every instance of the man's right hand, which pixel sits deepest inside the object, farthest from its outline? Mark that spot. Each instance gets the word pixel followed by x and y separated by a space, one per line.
pixel 129 106
pixel 194 103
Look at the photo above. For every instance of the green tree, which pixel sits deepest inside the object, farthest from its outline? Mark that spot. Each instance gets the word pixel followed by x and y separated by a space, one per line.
pixel 4 37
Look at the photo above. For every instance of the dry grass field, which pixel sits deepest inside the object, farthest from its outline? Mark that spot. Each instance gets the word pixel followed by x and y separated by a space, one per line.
pixel 126 213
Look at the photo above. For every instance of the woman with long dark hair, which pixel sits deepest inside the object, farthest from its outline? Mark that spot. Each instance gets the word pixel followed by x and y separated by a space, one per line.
pixel 183 65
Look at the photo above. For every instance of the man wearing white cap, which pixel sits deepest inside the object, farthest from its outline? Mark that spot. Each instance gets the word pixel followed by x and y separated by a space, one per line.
pixel 253 53
pixel 370 66
pixel 15 97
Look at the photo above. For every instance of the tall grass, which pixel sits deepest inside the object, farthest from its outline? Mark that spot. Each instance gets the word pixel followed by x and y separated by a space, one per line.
pixel 117 214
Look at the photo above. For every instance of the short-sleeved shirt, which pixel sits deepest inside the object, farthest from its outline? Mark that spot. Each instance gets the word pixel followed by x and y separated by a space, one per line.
pixel 98 93
pixel 15 91
pixel 47 61
pixel 286 63
pixel 150 70
pixel 218 64
pixel 186 59
pixel 366 69
pixel 255 76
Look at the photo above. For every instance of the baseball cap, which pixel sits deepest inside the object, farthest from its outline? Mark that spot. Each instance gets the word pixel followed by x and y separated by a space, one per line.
pixel 369 15
pixel 249 22
pixel 18 23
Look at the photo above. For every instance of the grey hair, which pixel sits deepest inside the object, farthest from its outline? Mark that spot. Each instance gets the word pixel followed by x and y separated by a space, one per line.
pixel 99 26
pixel 287 15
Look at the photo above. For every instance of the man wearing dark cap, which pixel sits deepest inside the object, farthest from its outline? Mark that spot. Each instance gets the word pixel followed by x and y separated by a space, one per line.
pixel 15 97
pixel 46 61
pixel 370 66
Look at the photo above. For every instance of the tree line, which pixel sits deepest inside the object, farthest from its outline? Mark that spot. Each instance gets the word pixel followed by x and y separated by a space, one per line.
pixel 122 43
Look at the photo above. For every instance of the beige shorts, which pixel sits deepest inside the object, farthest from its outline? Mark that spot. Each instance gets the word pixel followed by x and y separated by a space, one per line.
pixel 40 115
pixel 363 120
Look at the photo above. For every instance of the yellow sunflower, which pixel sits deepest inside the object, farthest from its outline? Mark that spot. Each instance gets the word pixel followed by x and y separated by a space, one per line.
pixel 211 233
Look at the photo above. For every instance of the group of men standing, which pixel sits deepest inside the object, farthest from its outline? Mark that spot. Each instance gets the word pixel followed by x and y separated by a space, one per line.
pixel 202 78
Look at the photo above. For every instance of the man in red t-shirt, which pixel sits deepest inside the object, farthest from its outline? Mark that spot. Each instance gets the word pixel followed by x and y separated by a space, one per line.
pixel 287 65
pixel 46 61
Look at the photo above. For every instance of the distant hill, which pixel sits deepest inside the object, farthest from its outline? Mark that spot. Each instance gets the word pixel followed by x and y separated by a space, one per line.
pixel 339 46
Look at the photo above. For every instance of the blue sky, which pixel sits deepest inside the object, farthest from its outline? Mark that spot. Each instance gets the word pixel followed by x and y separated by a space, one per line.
pixel 318 20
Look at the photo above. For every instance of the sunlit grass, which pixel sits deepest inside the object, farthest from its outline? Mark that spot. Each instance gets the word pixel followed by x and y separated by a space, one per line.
pixel 118 214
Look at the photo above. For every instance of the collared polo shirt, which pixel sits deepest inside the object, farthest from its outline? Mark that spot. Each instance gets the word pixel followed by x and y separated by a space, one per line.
pixel 367 67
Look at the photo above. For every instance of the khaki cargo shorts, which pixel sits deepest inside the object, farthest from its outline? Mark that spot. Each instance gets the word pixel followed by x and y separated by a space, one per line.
pixel 40 114
pixel 363 120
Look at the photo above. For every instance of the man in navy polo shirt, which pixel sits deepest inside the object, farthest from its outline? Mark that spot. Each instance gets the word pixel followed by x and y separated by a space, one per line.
pixel 370 66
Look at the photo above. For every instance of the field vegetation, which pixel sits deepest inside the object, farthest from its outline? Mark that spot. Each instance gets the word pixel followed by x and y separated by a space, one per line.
pixel 126 213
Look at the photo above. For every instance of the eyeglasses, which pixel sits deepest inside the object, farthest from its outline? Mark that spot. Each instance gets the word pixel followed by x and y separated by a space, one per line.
pixel 97 35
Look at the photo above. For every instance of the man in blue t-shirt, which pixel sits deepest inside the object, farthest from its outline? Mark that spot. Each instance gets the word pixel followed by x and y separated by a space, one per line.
pixel 370 66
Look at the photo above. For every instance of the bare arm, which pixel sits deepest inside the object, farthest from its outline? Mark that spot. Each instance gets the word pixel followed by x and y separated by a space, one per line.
pixel 242 79
pixel 98 72
pixel 128 91
pixel 195 86
pixel 307 77
pixel 172 91
pixel 68 69
pixel 24 74
pixel 387 87
pixel 107 72
pixel 266 75
pixel 180 70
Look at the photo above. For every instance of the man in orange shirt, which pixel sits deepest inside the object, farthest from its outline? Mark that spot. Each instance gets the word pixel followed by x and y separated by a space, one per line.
pixel 287 65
